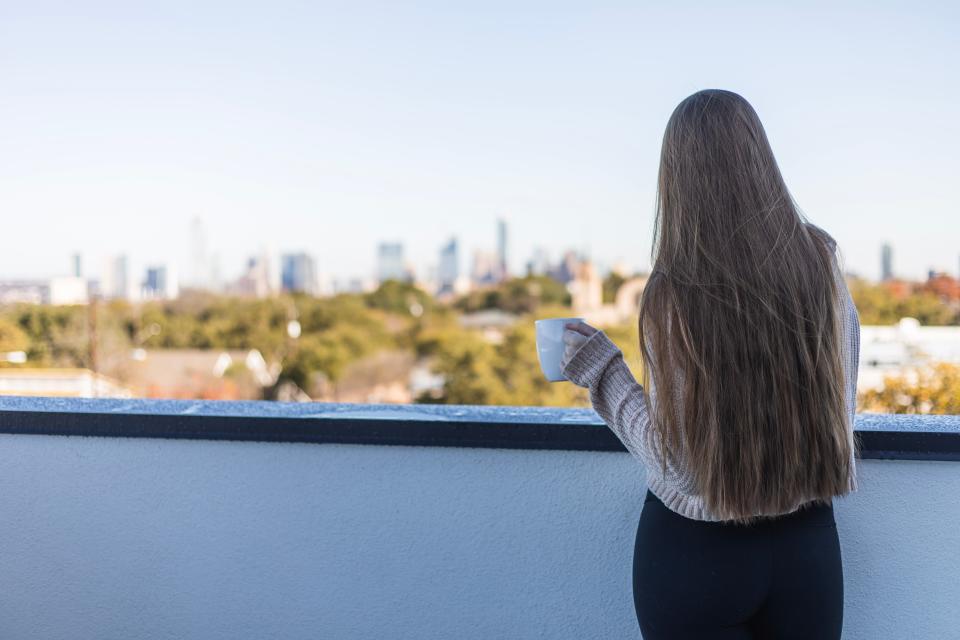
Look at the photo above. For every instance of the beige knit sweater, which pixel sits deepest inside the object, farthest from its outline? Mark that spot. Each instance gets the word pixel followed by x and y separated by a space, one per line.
pixel 621 402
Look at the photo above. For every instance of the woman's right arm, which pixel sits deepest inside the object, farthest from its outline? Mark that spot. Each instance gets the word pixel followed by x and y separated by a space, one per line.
pixel 615 394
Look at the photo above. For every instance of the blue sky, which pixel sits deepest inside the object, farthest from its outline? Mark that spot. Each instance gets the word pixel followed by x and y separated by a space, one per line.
pixel 328 127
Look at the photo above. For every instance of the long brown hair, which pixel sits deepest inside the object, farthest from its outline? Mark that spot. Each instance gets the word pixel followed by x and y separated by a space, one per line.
pixel 740 323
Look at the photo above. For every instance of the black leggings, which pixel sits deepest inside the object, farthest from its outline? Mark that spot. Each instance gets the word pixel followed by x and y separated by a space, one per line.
pixel 780 578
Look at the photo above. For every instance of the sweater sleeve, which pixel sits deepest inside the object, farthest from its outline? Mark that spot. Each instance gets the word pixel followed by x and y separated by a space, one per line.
pixel 615 395
pixel 852 336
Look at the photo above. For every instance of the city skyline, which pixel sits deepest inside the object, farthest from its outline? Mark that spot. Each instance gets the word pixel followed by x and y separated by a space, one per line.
pixel 271 271
pixel 293 128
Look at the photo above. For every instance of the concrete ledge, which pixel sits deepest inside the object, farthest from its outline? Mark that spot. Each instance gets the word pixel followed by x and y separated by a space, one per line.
pixel 882 436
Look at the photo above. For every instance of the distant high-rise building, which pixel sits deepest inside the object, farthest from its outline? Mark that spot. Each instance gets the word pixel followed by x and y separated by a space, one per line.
pixel 586 288
pixel 539 263
pixel 566 270
pixel 486 268
pixel 299 273
pixel 117 281
pixel 886 262
pixel 502 249
pixel 449 268
pixel 390 263
pixel 160 283
pixel 216 282
pixel 76 264
pixel 253 281
pixel 274 267
pixel 199 273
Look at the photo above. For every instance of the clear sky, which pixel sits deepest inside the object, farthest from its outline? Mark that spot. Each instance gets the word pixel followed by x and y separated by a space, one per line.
pixel 328 127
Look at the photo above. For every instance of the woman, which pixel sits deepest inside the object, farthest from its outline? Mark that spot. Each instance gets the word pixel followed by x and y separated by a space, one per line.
pixel 749 341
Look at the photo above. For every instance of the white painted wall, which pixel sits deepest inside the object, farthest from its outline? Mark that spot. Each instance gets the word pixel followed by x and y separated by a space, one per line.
pixel 132 538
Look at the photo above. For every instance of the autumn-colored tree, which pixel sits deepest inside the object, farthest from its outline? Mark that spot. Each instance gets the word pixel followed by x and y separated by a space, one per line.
pixel 931 389
pixel 879 304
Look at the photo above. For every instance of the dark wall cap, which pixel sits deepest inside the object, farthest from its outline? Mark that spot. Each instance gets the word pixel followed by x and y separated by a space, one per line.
pixel 885 436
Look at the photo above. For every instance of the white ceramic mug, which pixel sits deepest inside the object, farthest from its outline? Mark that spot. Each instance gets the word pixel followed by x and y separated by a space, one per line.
pixel 550 345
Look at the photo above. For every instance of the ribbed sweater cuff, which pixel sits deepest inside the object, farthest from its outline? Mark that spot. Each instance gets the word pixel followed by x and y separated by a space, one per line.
pixel 588 363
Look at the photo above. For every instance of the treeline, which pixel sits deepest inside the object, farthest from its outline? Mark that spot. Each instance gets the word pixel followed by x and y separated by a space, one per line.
pixel 338 331
pixel 878 303
pixel 334 332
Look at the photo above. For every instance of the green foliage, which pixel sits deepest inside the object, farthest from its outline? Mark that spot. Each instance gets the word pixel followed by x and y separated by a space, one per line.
pixel 612 284
pixel 12 337
pixel 57 336
pixel 322 354
pixel 211 322
pixel 498 368
pixel 517 295
pixel 507 373
pixel 335 331
pixel 400 298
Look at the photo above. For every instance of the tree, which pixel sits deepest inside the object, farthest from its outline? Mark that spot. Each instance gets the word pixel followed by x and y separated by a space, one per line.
pixel 478 371
pixel 399 297
pixel 12 337
pixel 877 304
pixel 932 389
pixel 612 284
pixel 517 295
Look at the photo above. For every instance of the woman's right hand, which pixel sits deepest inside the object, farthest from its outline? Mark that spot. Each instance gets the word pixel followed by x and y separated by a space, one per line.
pixel 574 337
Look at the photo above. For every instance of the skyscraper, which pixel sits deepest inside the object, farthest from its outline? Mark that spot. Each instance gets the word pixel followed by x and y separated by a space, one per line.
pixel 486 268
pixel 300 273
pixel 539 263
pixel 160 283
pixel 586 288
pixel 886 262
pixel 566 270
pixel 253 281
pixel 274 267
pixel 449 269
pixel 76 263
pixel 198 275
pixel 502 249
pixel 390 264
pixel 116 281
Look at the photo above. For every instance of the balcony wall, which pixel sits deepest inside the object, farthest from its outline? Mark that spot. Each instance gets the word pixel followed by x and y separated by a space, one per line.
pixel 258 520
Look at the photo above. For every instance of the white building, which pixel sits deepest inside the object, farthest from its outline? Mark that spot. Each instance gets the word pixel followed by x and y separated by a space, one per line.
pixel 586 288
pixel 63 383
pixel 67 290
pixel 896 348
pixel 118 281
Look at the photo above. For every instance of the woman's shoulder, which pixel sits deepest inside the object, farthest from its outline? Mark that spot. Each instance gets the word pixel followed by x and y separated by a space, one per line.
pixel 822 233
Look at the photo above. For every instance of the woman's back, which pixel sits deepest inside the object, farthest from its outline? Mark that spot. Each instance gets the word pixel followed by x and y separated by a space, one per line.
pixel 625 407
pixel 750 343
pixel 743 299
